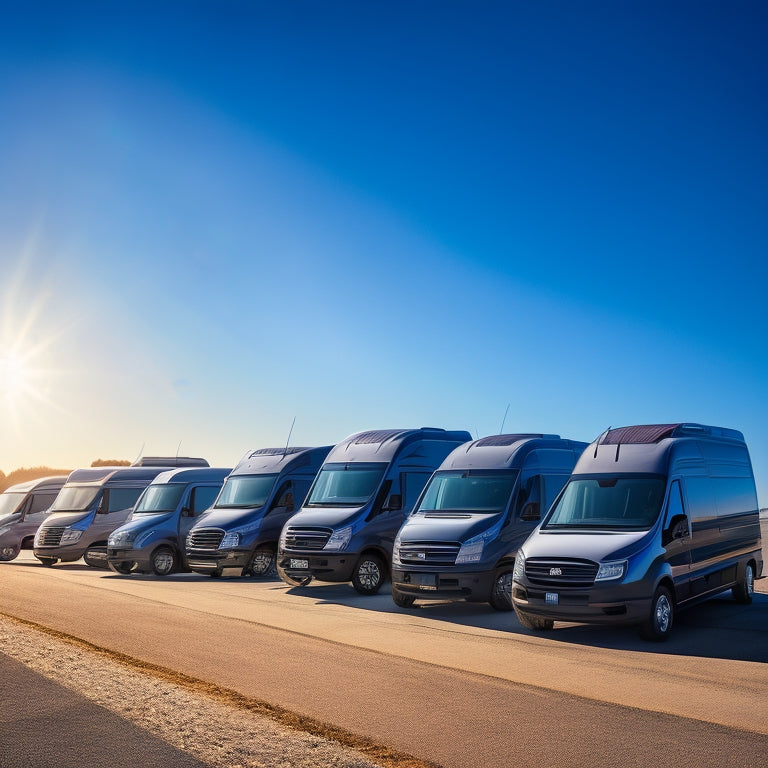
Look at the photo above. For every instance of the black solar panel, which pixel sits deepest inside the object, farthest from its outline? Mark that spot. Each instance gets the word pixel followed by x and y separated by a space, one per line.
pixel 642 433
pixel 376 436
pixel 276 451
pixel 500 440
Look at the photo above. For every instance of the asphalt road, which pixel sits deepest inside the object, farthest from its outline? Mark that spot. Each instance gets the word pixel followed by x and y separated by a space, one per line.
pixel 457 684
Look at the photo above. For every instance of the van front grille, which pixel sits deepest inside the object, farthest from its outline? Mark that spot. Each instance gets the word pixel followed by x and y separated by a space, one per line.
pixel 205 538
pixel 50 537
pixel 429 552
pixel 558 572
pixel 307 538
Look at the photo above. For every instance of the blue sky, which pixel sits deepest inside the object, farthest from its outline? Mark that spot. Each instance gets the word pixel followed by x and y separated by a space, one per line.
pixel 216 217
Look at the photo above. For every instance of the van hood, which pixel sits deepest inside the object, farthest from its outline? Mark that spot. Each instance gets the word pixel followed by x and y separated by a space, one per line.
pixel 590 545
pixel 63 519
pixel 326 517
pixel 229 518
pixel 140 522
pixel 458 526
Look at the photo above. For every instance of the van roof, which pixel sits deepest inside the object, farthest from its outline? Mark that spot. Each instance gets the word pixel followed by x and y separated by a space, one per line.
pixel 170 461
pixel 507 451
pixel 652 433
pixel 269 460
pixel 102 475
pixel 383 444
pixel 52 482
pixel 192 475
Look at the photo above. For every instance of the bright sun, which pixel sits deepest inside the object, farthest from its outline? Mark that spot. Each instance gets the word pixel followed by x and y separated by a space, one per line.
pixel 15 378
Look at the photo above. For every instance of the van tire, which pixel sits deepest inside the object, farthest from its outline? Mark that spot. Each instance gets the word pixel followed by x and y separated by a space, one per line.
pixel 47 561
pixel 261 564
pixel 534 623
pixel 123 567
pixel 744 589
pixel 402 600
pixel 658 626
pixel 501 592
pixel 164 561
pixel 9 553
pixel 369 574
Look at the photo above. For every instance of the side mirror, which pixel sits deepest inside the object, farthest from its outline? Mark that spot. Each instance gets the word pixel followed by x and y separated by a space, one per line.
pixel 186 512
pixel 394 503
pixel 677 529
pixel 531 511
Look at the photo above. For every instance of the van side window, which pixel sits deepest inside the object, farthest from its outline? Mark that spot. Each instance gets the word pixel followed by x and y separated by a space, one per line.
pixel 701 502
pixel 735 496
pixel 116 499
pixel 412 484
pixel 529 499
pixel 41 501
pixel 674 503
pixel 202 498
pixel 284 497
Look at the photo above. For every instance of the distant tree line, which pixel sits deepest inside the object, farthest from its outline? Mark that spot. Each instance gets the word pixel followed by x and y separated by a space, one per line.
pixel 23 474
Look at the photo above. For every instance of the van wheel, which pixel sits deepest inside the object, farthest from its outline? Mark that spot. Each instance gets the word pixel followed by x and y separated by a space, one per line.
pixel 501 594
pixel 96 557
pixel 262 563
pixel 743 590
pixel 535 623
pixel 402 600
pixel 47 561
pixel 163 561
pixel 658 625
pixel 9 553
pixel 368 575
pixel 123 567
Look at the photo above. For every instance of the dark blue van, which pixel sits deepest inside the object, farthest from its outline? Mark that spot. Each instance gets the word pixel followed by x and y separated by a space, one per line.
pixel 655 518
pixel 485 499
pixel 239 532
pixel 152 541
pixel 347 527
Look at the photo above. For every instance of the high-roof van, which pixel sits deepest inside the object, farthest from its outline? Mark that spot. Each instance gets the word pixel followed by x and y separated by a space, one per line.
pixel 22 508
pixel 483 501
pixel 91 504
pixel 239 532
pixel 655 518
pixel 347 526
pixel 152 540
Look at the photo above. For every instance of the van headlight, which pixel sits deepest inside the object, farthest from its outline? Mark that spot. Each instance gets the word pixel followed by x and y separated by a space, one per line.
pixel 339 539
pixel 70 536
pixel 472 550
pixel 121 539
pixel 519 569
pixel 612 570
pixel 231 539
pixel 396 550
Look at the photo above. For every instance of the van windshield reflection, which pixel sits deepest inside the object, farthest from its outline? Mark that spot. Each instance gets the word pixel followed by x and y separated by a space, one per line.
pixel 244 491
pixel 345 485
pixel 74 498
pixel 468 492
pixel 608 503
pixel 159 498
pixel 10 502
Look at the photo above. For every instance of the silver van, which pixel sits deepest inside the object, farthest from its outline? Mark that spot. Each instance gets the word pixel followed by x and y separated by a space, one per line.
pixel 92 503
pixel 654 518
pixel 22 508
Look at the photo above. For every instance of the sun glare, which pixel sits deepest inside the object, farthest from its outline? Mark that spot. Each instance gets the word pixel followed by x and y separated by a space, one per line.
pixel 14 376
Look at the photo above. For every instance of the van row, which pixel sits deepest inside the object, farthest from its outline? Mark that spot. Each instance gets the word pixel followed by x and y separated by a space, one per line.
pixel 642 522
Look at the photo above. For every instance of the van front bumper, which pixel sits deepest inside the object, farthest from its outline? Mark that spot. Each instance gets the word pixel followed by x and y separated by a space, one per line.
pixel 615 604
pixel 217 561
pixel 443 585
pixel 323 566
pixel 65 554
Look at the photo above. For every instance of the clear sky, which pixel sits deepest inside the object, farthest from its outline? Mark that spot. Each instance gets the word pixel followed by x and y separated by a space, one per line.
pixel 216 217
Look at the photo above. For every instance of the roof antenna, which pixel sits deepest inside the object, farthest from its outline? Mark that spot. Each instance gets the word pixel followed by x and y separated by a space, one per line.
pixel 501 430
pixel 138 458
pixel 597 442
pixel 178 449
pixel 290 432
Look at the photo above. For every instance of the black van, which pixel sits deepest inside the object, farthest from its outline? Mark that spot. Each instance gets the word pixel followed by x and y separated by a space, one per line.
pixel 654 518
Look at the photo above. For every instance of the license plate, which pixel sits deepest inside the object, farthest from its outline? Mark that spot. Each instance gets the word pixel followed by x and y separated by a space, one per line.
pixel 427 581
pixel 551 598
pixel 299 563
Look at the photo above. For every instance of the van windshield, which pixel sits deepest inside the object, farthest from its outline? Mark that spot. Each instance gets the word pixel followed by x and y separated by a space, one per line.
pixel 345 485
pixel 75 498
pixel 608 503
pixel 243 491
pixel 10 502
pixel 159 498
pixel 468 492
